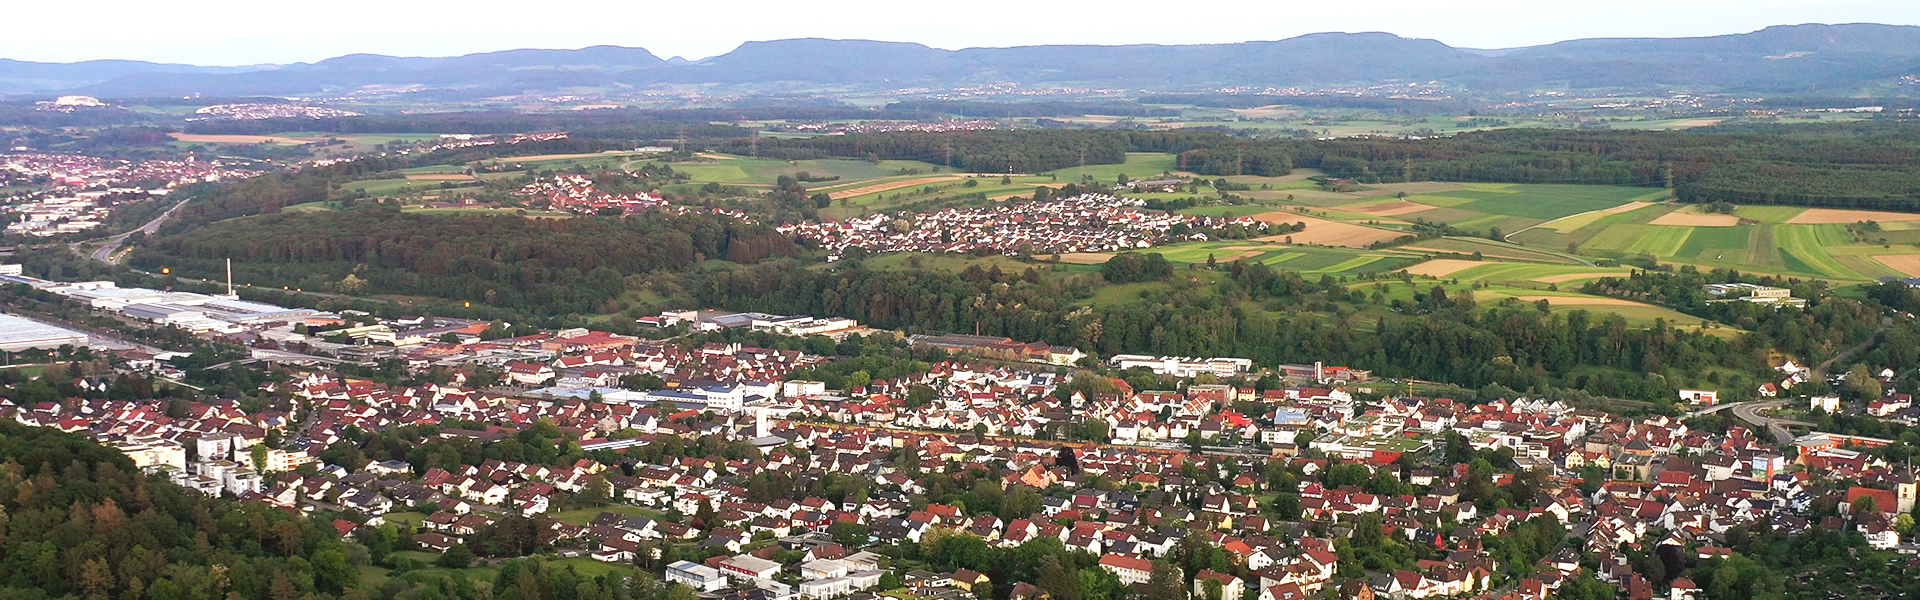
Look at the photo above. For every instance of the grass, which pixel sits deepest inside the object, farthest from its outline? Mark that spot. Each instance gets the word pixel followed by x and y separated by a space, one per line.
pixel 1139 165
pixel 1805 246
pixel 1769 214
pixel 1492 291
pixel 1716 242
pixel 1492 249
pixel 433 170
pixel 764 171
pixel 321 206
pixel 1224 210
pixel 1547 202
pixel 386 187
pixel 585 515
pixel 1511 273
pixel 1657 240
pixel 1313 260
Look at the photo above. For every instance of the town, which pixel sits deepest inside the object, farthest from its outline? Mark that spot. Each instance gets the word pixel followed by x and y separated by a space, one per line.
pixel 1085 223
pixel 727 469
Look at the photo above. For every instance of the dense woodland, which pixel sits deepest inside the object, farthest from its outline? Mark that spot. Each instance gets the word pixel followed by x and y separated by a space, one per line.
pixel 1873 165
pixel 1268 316
pixel 541 266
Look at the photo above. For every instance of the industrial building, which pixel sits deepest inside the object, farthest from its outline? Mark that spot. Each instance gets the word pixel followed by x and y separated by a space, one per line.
pixel 17 334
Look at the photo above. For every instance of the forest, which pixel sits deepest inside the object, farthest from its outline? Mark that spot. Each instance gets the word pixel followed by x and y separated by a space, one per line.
pixel 539 266
pixel 78 520
pixel 1261 314
pixel 1862 165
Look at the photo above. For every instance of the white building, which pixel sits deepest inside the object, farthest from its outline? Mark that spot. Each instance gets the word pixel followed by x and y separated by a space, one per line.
pixel 700 577
pixel 1179 366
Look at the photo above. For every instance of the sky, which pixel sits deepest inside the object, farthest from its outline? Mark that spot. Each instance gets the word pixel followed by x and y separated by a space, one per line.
pixel 236 32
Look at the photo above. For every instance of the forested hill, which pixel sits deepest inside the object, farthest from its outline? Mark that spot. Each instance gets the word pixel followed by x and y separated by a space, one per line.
pixel 79 521
pixel 1864 165
pixel 1793 59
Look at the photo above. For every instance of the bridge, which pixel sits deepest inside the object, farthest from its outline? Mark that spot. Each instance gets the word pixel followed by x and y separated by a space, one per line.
pixel 277 357
pixel 1750 412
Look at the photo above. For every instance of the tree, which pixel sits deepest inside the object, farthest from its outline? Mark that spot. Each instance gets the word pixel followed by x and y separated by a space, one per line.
pixel 331 571
pixel 597 492
pixel 1864 505
pixel 456 557
pixel 1059 582
pixel 1165 583
pixel 1863 385
pixel 849 534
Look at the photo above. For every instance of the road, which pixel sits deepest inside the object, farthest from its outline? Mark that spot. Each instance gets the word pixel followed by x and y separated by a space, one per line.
pixel 1820 372
pixel 1750 412
pixel 105 253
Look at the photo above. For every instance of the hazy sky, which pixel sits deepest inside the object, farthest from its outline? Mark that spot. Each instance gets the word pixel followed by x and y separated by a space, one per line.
pixel 233 32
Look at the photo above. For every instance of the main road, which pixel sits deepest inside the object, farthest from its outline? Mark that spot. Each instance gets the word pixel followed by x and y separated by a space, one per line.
pixel 106 252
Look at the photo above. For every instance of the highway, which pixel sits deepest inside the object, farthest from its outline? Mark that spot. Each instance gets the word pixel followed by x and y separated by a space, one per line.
pixel 106 252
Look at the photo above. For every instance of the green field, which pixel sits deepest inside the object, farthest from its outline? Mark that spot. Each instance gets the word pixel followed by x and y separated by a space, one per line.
pixel 1547 202
pixel 1714 243
pixel 1139 165
pixel 433 170
pixel 1657 240
pixel 1769 214
pixel 389 187
pixel 764 171
pixel 583 516
pixel 1805 248
pixel 1530 274
pixel 1304 259
pixel 1493 250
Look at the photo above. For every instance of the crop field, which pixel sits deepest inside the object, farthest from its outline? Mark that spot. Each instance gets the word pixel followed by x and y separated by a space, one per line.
pixel 1548 202
pixel 739 170
pixel 1656 240
pixel 1326 231
pixel 1139 165
pixel 1304 259
pixel 1489 293
pixel 1813 216
pixel 1227 210
pixel 1489 249
pixel 1713 243
pixel 1768 214
pixel 1516 273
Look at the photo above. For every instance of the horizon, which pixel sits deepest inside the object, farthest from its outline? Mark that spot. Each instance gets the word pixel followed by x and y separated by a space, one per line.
pixel 250 40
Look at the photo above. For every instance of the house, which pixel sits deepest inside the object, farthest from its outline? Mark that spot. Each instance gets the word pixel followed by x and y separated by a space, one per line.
pixel 700 577
pixel 749 567
pixel 526 373
pixel 1231 588
pixel 1129 569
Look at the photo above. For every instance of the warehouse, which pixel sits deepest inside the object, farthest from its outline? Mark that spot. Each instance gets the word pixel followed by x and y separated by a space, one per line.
pixel 18 334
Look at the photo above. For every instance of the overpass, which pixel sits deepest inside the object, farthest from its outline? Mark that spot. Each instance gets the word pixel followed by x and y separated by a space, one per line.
pixel 278 356
pixel 1750 412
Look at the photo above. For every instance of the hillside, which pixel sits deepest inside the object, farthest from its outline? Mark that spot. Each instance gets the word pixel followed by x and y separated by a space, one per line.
pixel 1796 59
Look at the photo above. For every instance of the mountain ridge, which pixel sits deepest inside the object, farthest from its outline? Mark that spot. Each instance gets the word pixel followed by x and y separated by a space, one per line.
pixel 1802 58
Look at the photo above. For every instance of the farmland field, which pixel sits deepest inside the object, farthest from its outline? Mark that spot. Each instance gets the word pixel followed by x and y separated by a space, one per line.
pixel 1489 249
pixel 1139 165
pixel 1657 240
pixel 1305 259
pixel 1326 231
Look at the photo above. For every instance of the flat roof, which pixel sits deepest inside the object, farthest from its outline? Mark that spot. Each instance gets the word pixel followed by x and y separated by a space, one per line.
pixel 18 333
